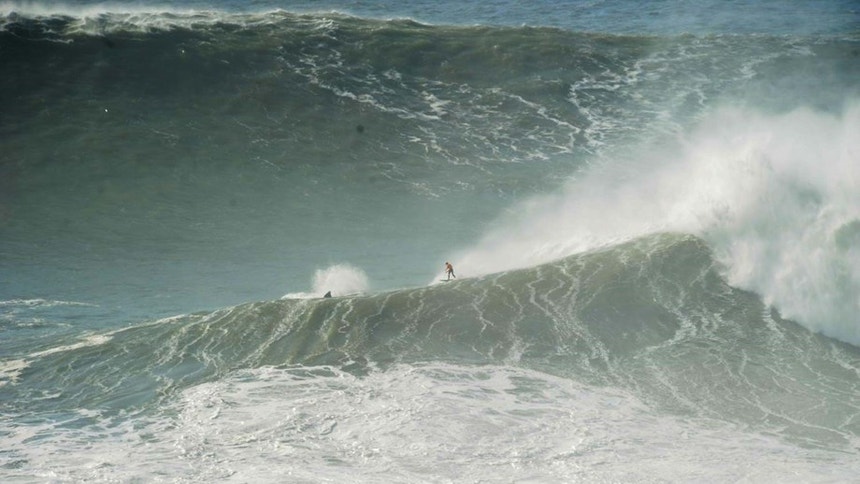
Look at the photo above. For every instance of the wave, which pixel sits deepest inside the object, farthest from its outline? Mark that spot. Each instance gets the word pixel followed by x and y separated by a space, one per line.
pixel 548 93
pixel 775 196
pixel 483 99
pixel 510 110
pixel 620 17
pixel 55 21
pixel 475 98
pixel 634 274
pixel 651 315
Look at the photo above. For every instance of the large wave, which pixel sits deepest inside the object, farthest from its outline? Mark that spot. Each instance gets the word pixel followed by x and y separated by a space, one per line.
pixel 777 197
pixel 651 315
pixel 675 206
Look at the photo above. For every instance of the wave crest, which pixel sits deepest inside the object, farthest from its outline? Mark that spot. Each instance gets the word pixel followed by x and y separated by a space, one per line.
pixel 775 196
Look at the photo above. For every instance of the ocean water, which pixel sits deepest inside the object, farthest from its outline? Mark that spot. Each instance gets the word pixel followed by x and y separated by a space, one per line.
pixel 652 208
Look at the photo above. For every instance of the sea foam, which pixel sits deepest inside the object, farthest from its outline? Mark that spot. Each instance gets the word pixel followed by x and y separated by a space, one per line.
pixel 775 195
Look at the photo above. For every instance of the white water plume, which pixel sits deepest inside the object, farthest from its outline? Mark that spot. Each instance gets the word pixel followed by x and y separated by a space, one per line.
pixel 338 280
pixel 777 197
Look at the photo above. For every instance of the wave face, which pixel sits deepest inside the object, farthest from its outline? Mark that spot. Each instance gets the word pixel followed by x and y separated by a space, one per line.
pixel 652 317
pixel 645 324
pixel 655 235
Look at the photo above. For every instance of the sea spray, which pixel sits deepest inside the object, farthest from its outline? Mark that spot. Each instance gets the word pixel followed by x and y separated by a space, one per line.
pixel 341 280
pixel 776 196
pixel 783 229
pixel 335 280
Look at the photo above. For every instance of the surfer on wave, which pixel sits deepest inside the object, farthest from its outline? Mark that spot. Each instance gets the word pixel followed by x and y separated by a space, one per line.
pixel 449 271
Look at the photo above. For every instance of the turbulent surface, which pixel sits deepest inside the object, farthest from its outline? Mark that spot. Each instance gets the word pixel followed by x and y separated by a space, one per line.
pixel 653 217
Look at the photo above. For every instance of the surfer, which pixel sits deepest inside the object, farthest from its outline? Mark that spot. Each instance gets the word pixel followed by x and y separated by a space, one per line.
pixel 449 271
